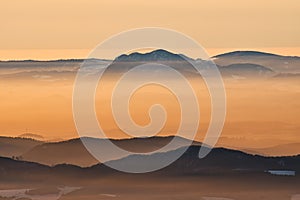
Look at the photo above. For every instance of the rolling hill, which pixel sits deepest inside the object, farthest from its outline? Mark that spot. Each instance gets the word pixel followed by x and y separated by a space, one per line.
pixel 74 152
pixel 10 146
pixel 219 161
pixel 277 63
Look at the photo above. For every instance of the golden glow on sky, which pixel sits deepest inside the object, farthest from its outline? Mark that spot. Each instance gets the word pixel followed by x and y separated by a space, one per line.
pixel 65 28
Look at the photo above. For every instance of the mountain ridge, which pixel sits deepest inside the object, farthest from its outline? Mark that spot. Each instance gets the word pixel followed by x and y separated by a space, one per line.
pixel 220 160
pixel 250 53
pixel 230 53
pixel 74 152
pixel 156 55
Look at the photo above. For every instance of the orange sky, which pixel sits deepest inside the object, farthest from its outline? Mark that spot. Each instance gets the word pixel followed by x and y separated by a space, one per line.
pixel 51 29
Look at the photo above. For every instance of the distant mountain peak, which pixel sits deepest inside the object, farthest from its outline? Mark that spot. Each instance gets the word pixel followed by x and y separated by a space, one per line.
pixel 245 53
pixel 156 55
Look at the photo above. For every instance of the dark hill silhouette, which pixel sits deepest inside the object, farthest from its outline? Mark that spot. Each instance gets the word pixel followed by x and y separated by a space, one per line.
pixel 68 67
pixel 10 146
pixel 245 53
pixel 221 174
pixel 73 151
pixel 156 55
pixel 277 63
pixel 125 62
pixel 219 161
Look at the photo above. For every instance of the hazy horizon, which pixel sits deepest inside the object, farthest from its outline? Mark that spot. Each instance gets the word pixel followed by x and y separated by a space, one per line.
pixel 39 101
pixel 57 54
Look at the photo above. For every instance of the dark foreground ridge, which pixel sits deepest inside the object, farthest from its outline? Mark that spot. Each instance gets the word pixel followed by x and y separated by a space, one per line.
pixel 219 161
